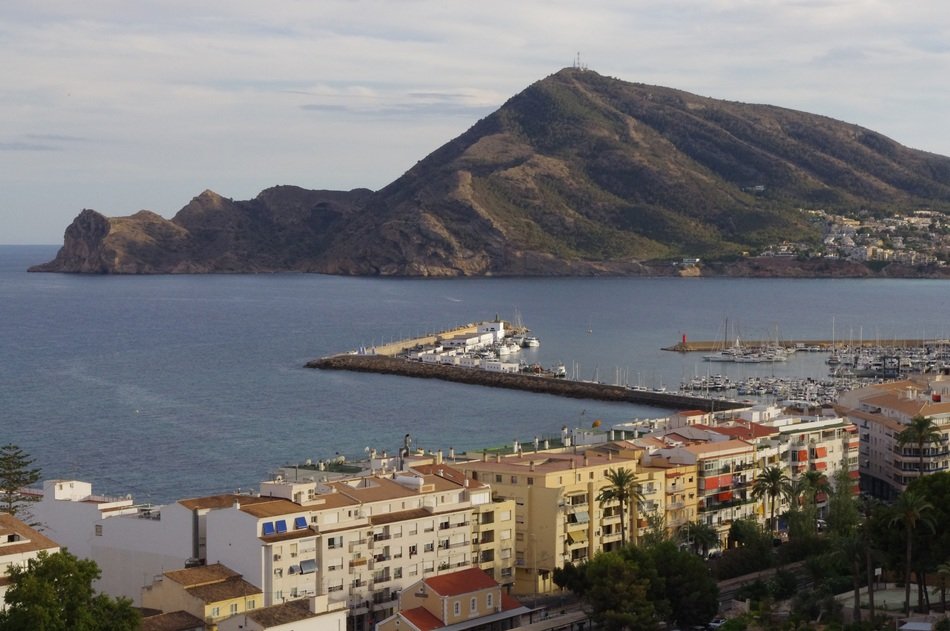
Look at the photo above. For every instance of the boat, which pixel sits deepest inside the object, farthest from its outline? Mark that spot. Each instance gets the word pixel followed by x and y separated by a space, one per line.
pixel 530 341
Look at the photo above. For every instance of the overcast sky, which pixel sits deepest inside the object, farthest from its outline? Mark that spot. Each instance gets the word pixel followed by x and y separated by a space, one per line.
pixel 120 106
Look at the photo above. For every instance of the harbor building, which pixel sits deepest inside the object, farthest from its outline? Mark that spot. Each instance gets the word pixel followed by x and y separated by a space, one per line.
pixel 881 412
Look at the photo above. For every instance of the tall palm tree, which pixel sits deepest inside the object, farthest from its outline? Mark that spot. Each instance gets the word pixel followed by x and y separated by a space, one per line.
pixel 910 510
pixel 814 482
pixel 621 488
pixel 699 535
pixel 921 431
pixel 774 483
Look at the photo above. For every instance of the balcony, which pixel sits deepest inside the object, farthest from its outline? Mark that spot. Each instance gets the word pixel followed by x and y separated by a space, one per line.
pixel 671 506
pixel 356 544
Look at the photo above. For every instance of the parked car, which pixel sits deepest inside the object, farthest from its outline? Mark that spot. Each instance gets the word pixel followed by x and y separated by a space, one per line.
pixel 716 622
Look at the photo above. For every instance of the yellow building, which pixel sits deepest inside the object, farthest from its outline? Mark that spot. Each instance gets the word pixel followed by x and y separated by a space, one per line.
pixel 557 516
pixel 211 593
pixel 465 600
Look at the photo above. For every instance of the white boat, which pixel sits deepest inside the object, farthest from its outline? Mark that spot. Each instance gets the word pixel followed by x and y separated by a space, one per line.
pixel 531 341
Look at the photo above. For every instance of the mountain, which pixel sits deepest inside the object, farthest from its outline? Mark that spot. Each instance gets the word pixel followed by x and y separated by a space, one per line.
pixel 578 174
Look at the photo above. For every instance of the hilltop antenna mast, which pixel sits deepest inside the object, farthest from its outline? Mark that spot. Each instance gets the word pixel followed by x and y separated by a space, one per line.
pixel 577 62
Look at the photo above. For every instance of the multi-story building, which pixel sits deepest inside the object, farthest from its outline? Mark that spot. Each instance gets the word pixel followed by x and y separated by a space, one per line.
pixel 557 516
pixel 881 412
pixel 19 544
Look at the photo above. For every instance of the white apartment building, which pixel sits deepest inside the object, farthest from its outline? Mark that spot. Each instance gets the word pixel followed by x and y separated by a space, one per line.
pixel 18 544
pixel 881 412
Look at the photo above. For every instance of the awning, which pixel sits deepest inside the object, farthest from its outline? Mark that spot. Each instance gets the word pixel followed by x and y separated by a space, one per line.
pixel 820 466
pixel 281 526
pixel 579 536
pixel 821 452
pixel 308 566
pixel 802 455
pixel 581 516
pixel 854 474
pixel 268 528
pixel 710 483
pixel 725 496
pixel 300 523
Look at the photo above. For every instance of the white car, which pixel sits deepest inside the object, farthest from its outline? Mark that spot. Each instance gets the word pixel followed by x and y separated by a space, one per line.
pixel 716 623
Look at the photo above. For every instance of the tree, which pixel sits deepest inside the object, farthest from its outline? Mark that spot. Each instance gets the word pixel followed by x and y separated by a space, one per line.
pixel 910 510
pixel 681 587
pixel 616 594
pixel 774 483
pixel 921 431
pixel 622 488
pixel 15 475
pixel 54 593
pixel 699 535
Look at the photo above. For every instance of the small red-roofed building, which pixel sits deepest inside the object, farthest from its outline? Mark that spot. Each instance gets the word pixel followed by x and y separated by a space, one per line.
pixel 19 544
pixel 468 600
pixel 172 621
pixel 316 613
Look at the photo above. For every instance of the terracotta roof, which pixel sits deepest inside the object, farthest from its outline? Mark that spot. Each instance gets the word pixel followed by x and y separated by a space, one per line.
pixel 747 429
pixel 221 501
pixel 173 621
pixel 201 575
pixel 272 507
pixel 286 613
pixel 31 540
pixel 234 587
pixel 373 489
pixel 422 619
pixel 726 447
pixel 388 518
pixel 445 472
pixel 462 582
pixel 509 602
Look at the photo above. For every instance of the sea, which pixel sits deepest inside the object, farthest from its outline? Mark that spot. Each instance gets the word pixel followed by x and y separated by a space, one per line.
pixel 168 387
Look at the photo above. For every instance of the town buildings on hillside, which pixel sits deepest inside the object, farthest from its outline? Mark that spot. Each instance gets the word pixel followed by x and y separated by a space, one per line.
pixel 19 543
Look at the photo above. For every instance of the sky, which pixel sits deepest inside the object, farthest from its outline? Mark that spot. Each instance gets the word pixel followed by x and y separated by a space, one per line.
pixel 121 106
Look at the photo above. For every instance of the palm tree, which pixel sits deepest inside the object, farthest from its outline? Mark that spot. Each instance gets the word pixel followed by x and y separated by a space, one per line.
pixel 909 510
pixel 699 535
pixel 921 431
pixel 943 574
pixel 814 482
pixel 774 483
pixel 621 488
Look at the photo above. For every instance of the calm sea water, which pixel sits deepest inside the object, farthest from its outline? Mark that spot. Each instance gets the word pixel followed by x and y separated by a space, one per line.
pixel 176 386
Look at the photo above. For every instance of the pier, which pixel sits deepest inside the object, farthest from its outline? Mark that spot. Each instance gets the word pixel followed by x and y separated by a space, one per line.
pixel 545 384
pixel 826 345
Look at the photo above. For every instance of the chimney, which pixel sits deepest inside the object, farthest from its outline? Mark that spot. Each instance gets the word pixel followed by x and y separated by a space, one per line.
pixel 484 455
pixel 498 457
pixel 586 460
pixel 531 466
pixel 610 456
pixel 438 457
pixel 573 464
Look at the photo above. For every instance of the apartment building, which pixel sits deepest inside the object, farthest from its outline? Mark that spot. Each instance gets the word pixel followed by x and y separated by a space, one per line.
pixel 881 412
pixel 19 544
pixel 557 516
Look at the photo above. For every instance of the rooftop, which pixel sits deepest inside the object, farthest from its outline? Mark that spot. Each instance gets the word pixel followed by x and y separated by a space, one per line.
pixel 461 582
pixel 30 540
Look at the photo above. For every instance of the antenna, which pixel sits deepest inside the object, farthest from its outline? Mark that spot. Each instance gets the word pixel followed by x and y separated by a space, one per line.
pixel 578 65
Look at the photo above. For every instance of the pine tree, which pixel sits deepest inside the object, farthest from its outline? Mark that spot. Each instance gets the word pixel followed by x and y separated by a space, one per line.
pixel 15 475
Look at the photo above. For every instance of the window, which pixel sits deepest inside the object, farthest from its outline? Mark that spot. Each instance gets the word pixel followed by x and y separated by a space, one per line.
pixel 98 530
pixel 498 478
pixel 530 481
pixel 429 547
pixel 308 566
pixel 335 542
pixel 473 605
pixel 233 609
pixel 514 479
pixel 457 608
pixel 300 523
pixel 489 600
pixel 251 604
pixel 215 612
pixel 413 550
pixel 268 528
pixel 281 526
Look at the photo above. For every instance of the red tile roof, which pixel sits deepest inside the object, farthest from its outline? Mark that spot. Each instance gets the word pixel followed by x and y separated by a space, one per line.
pixel 461 582
pixel 422 619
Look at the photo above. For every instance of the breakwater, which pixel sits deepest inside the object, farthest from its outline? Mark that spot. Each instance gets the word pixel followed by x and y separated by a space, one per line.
pixel 706 346
pixel 520 381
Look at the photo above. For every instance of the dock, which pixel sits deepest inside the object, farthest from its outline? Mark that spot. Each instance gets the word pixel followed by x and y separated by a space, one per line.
pixel 826 345
pixel 382 364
